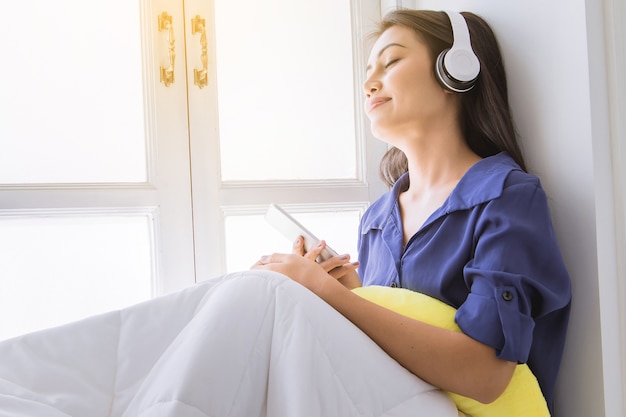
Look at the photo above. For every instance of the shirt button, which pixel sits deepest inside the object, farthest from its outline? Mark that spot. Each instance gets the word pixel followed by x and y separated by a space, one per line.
pixel 507 295
pixel 394 285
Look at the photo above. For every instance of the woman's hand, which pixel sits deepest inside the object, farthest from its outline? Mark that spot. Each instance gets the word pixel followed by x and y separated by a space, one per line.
pixel 338 267
pixel 305 271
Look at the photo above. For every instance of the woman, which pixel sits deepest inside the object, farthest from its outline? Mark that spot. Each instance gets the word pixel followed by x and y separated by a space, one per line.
pixel 463 222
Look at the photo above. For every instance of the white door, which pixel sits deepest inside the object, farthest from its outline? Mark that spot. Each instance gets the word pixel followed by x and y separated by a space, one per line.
pixel 280 120
pixel 95 197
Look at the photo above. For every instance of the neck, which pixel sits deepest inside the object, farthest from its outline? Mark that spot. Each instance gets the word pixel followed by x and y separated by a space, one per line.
pixel 437 163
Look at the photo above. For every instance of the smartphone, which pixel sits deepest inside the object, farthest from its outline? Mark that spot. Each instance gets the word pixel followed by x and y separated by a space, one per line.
pixel 291 229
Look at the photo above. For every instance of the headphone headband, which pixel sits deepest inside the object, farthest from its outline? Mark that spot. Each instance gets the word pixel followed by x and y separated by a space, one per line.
pixel 458 67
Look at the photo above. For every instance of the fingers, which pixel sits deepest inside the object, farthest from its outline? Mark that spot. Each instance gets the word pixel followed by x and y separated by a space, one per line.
pixel 343 270
pixel 299 249
pixel 335 261
pixel 276 258
pixel 339 266
pixel 270 259
pixel 315 251
pixel 298 246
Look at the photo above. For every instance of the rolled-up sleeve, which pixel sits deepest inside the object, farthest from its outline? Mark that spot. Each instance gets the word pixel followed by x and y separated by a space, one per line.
pixel 516 275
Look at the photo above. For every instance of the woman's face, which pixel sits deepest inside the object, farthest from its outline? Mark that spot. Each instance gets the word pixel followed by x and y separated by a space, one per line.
pixel 403 98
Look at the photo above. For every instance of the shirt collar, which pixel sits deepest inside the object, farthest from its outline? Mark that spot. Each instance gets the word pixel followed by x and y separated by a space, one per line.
pixel 483 182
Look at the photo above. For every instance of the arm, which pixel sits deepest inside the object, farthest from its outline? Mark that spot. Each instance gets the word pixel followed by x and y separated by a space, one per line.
pixel 449 360
pixel 350 280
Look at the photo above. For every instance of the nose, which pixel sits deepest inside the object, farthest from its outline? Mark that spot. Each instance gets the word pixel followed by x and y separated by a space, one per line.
pixel 371 86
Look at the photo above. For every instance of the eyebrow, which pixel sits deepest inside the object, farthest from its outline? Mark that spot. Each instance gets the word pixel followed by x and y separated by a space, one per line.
pixel 383 50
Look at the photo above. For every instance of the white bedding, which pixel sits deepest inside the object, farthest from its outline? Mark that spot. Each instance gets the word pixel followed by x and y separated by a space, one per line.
pixel 248 344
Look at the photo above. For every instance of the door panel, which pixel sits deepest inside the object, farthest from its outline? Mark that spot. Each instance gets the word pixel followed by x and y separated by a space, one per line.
pixel 74 93
pixel 94 157
pixel 60 267
pixel 285 68
pixel 283 123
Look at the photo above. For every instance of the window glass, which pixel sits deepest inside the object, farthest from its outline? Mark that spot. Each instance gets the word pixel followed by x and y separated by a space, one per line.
pixel 55 269
pixel 286 100
pixel 74 90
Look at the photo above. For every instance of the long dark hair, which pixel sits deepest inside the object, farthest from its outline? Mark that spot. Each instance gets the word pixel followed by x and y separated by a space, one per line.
pixel 485 116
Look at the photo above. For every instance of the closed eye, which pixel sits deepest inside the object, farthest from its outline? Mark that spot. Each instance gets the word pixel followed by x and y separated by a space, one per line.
pixel 391 62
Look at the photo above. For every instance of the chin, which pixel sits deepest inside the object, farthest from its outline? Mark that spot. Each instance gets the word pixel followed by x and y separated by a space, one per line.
pixel 378 132
pixel 382 134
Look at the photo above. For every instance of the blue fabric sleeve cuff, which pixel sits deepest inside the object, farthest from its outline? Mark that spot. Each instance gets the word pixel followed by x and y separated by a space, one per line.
pixel 496 321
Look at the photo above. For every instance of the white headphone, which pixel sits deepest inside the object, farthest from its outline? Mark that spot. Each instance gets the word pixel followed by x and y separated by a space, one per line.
pixel 458 67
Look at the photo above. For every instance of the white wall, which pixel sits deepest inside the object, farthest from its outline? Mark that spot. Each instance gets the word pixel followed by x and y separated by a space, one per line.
pixel 556 60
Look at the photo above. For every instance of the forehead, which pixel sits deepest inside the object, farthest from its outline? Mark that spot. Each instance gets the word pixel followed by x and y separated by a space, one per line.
pixel 394 35
pixel 397 37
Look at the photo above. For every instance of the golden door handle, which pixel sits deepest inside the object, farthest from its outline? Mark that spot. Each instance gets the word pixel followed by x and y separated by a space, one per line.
pixel 201 76
pixel 165 23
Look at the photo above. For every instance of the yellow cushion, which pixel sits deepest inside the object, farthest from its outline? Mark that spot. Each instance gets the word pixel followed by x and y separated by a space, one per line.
pixel 522 397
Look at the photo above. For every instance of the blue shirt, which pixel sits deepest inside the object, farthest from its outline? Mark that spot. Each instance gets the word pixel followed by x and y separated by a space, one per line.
pixel 489 251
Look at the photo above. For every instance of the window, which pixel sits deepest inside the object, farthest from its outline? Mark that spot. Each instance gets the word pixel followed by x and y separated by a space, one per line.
pixel 112 182
pixel 290 128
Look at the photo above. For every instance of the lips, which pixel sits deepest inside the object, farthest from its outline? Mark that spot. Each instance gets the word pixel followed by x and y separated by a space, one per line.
pixel 375 102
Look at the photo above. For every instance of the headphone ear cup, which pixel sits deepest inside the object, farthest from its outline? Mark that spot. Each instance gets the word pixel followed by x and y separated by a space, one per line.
pixel 447 80
pixel 458 67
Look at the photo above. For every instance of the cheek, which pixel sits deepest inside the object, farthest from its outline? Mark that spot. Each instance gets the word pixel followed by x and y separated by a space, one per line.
pixel 425 95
